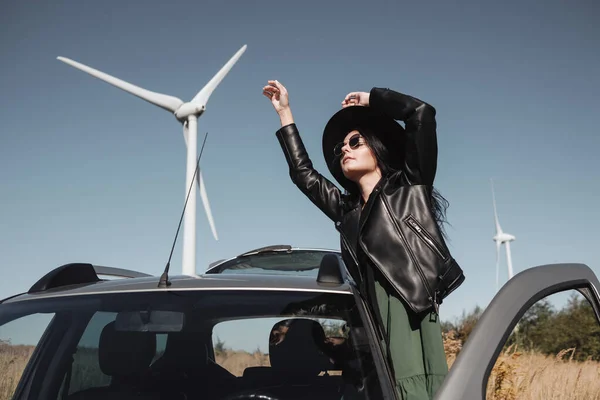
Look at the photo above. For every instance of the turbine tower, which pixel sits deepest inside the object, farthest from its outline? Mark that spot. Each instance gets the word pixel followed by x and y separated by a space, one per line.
pixel 187 114
pixel 499 238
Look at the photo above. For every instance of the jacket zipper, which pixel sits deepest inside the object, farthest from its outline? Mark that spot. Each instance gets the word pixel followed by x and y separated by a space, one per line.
pixel 423 235
pixel 432 298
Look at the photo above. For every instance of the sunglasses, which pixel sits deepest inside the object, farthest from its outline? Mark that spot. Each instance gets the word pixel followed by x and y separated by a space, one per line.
pixel 354 142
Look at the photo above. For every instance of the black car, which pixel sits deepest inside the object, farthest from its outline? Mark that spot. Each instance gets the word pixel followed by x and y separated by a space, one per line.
pixel 215 336
pixel 257 326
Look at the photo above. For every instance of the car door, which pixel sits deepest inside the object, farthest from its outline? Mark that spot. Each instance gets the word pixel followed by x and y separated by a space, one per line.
pixel 469 375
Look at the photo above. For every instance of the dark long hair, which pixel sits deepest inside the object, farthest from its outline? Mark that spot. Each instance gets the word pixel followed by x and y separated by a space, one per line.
pixel 438 204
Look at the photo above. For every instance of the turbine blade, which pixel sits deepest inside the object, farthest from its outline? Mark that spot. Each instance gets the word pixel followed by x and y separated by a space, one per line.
pixel 169 103
pixel 498 228
pixel 204 198
pixel 203 195
pixel 203 95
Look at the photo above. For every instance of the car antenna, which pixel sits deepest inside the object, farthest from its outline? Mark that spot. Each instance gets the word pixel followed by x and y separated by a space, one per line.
pixel 164 278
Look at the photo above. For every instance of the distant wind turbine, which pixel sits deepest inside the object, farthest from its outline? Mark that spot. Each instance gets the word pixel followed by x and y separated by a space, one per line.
pixel 499 238
pixel 187 114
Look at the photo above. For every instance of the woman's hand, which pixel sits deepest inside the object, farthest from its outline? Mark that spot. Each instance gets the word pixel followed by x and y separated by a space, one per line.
pixel 278 95
pixel 356 99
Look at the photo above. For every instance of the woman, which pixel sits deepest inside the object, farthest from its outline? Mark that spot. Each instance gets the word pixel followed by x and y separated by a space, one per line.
pixel 389 219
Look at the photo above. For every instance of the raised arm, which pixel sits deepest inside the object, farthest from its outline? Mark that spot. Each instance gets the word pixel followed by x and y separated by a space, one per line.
pixel 322 192
pixel 420 159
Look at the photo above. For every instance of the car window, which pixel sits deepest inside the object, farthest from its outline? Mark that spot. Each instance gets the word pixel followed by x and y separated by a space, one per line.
pixel 86 371
pixel 297 262
pixel 18 340
pixel 201 343
pixel 553 352
pixel 237 354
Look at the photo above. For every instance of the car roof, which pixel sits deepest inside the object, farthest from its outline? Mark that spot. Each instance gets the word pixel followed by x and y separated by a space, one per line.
pixel 68 280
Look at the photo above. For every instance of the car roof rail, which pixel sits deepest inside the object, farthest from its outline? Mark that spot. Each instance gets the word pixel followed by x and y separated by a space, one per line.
pixel 331 270
pixel 119 272
pixel 79 273
pixel 215 263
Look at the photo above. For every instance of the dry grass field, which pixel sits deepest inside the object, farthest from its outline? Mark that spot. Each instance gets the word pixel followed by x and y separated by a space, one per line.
pixel 237 361
pixel 516 375
pixel 531 376
pixel 12 363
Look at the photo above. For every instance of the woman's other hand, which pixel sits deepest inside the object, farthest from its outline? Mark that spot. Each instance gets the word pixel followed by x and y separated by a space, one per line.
pixel 278 95
pixel 356 99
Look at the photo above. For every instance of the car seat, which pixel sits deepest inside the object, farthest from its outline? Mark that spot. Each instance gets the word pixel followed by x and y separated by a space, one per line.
pixel 297 354
pixel 186 365
pixel 297 363
pixel 125 357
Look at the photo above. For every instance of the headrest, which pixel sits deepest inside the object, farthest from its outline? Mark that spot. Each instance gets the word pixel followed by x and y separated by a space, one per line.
pixel 125 353
pixel 186 349
pixel 294 347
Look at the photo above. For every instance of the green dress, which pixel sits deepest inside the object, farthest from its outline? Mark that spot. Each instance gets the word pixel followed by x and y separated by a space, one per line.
pixel 415 345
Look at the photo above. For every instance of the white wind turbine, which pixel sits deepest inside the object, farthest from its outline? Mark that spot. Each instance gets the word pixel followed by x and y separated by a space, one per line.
pixel 187 114
pixel 499 238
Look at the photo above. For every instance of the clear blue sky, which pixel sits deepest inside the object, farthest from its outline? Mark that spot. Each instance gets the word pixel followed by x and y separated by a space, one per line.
pixel 92 174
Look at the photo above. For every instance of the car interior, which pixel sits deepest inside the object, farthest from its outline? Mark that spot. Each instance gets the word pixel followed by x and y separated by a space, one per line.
pixel 299 366
pixel 279 345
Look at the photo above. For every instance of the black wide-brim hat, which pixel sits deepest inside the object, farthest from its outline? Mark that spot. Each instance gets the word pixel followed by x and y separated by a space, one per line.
pixel 352 118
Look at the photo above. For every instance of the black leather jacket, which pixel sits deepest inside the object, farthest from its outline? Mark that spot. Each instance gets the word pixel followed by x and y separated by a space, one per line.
pixel 398 234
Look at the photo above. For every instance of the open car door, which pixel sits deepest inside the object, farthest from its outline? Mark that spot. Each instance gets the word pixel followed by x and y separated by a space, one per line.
pixel 468 377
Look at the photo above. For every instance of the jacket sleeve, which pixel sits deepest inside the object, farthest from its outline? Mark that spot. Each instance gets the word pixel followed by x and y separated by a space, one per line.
pixel 420 158
pixel 322 192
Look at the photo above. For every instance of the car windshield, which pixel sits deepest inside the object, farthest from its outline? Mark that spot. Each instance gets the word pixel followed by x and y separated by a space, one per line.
pixel 187 344
pixel 293 262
